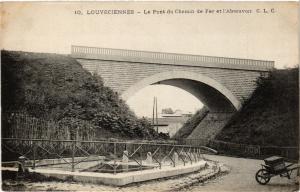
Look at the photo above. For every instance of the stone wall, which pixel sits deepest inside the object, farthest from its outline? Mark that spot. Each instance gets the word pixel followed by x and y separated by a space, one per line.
pixel 121 75
pixel 210 126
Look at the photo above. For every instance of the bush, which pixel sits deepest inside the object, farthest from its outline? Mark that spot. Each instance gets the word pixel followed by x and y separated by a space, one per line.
pixel 56 87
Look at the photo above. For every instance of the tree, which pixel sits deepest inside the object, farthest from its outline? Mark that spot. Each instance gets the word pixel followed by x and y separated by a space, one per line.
pixel 167 111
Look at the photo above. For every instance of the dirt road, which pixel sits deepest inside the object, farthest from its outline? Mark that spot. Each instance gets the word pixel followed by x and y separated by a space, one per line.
pixel 241 178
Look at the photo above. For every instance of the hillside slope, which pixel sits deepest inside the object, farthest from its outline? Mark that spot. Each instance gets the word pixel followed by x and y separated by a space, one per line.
pixel 271 115
pixel 56 87
pixel 191 124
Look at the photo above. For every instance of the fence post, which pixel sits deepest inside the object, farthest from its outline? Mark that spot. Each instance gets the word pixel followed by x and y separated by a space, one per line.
pixel 115 167
pixel 73 154
pixel 34 154
pixel 194 154
pixel 22 170
pixel 175 156
pixel 141 157
pixel 115 150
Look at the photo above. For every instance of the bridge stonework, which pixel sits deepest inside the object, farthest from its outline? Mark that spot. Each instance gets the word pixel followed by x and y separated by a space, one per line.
pixel 124 70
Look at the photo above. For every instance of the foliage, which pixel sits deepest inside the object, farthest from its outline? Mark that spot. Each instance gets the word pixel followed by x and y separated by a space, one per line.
pixel 167 111
pixel 56 87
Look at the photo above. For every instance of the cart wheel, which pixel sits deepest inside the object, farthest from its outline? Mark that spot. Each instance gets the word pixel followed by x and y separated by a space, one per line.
pixel 262 176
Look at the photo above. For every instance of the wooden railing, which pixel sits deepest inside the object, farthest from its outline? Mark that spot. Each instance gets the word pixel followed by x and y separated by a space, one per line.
pixel 19 125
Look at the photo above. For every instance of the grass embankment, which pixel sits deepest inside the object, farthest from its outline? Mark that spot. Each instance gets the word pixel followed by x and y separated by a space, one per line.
pixel 56 87
pixel 271 116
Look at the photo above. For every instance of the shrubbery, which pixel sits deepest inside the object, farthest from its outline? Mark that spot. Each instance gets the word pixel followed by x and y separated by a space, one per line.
pixel 56 87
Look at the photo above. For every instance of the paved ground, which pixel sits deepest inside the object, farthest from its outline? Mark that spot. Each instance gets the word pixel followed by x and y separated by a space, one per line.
pixel 241 178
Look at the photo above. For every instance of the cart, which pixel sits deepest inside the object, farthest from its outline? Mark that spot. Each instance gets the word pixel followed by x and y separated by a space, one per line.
pixel 275 166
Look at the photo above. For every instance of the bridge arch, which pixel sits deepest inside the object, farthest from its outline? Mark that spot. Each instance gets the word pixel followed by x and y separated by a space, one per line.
pixel 209 91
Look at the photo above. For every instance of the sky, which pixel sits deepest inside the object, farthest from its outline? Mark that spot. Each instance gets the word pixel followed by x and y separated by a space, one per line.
pixel 54 27
pixel 143 105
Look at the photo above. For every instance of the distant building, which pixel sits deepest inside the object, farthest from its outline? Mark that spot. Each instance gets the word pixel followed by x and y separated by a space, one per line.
pixel 171 115
pixel 171 123
pixel 177 113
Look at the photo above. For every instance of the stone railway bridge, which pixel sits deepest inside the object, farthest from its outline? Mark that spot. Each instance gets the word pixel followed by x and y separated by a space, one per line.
pixel 222 84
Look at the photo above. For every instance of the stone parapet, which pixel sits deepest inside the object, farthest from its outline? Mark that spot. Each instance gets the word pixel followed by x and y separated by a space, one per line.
pixel 82 52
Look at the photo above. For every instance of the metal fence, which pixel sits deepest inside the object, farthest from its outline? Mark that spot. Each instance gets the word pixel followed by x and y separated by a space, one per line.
pixel 48 143
pixel 49 139
pixel 72 153
pixel 244 150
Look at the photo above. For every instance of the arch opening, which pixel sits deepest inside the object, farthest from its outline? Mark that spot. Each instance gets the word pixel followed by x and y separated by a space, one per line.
pixel 170 99
pixel 210 92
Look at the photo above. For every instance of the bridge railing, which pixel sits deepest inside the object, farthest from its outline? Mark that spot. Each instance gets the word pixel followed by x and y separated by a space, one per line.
pixel 166 58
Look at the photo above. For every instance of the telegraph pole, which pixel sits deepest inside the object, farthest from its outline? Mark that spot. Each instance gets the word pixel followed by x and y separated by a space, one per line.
pixel 156 115
pixel 153 111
